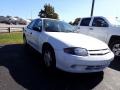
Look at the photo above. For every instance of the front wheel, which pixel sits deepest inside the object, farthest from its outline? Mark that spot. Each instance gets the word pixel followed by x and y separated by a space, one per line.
pixel 115 47
pixel 49 59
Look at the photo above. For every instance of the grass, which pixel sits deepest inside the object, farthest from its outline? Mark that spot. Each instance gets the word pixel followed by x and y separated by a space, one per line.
pixel 11 38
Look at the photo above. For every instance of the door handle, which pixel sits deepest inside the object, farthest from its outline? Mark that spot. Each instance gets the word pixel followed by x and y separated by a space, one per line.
pixel 91 28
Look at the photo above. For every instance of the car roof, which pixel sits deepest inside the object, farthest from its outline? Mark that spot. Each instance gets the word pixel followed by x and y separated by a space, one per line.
pixel 94 17
pixel 46 18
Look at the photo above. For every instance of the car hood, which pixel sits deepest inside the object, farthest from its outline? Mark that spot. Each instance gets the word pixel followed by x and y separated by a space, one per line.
pixel 78 40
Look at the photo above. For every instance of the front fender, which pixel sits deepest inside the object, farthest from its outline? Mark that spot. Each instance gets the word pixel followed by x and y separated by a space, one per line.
pixel 57 44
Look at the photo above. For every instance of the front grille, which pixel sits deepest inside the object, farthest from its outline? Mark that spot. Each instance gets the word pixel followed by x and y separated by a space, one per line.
pixel 98 52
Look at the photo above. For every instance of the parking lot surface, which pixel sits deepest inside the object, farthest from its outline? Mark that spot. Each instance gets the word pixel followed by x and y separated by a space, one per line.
pixel 22 70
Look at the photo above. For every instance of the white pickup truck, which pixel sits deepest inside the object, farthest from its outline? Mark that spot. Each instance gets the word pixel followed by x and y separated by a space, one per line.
pixel 103 29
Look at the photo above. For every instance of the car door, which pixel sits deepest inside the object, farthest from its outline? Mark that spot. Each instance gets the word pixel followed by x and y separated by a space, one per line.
pixel 28 32
pixel 36 33
pixel 84 26
pixel 99 28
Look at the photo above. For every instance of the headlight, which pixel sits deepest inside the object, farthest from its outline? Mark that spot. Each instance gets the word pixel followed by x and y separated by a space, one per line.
pixel 76 51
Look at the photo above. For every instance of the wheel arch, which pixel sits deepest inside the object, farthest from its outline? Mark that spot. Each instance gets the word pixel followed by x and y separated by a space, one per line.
pixel 114 37
pixel 47 45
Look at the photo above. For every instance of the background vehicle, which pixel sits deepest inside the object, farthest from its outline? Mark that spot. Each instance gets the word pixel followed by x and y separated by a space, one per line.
pixel 103 29
pixel 61 47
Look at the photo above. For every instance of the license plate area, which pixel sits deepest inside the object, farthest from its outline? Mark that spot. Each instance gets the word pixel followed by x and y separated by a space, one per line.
pixel 95 67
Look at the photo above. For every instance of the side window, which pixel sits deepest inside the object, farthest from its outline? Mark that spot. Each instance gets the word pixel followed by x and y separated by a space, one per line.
pixel 85 22
pixel 38 24
pixel 99 22
pixel 31 25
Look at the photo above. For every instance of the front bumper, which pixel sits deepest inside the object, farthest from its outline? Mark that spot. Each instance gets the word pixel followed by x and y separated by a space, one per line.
pixel 82 64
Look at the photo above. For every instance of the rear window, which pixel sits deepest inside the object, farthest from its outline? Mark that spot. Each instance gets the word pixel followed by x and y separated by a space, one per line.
pixel 85 22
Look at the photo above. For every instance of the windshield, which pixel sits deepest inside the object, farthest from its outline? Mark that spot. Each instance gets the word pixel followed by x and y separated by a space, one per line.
pixel 57 26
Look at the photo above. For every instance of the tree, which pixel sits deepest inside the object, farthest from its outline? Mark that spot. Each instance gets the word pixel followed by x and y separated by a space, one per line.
pixel 76 21
pixel 70 23
pixel 48 12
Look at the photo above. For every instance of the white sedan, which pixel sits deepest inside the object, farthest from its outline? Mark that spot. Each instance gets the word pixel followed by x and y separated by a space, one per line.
pixel 65 49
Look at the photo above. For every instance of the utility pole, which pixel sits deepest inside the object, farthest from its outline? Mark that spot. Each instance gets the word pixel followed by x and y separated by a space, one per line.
pixel 92 9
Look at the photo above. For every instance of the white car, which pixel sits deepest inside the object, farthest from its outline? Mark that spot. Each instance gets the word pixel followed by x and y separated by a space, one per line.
pixel 61 47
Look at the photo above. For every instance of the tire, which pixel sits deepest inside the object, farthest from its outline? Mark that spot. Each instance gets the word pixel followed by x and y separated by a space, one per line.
pixel 115 47
pixel 25 42
pixel 49 59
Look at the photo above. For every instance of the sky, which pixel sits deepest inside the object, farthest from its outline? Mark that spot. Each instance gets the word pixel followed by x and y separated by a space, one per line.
pixel 68 10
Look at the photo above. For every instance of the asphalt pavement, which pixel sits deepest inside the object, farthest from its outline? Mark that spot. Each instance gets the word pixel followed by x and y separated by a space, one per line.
pixel 23 70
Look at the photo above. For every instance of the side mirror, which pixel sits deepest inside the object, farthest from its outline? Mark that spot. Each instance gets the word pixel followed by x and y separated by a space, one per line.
pixel 37 29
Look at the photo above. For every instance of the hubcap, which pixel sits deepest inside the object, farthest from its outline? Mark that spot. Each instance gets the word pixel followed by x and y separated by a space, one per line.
pixel 116 49
pixel 47 58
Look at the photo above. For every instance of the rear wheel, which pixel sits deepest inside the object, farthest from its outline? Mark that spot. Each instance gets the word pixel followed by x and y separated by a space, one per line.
pixel 115 47
pixel 25 42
